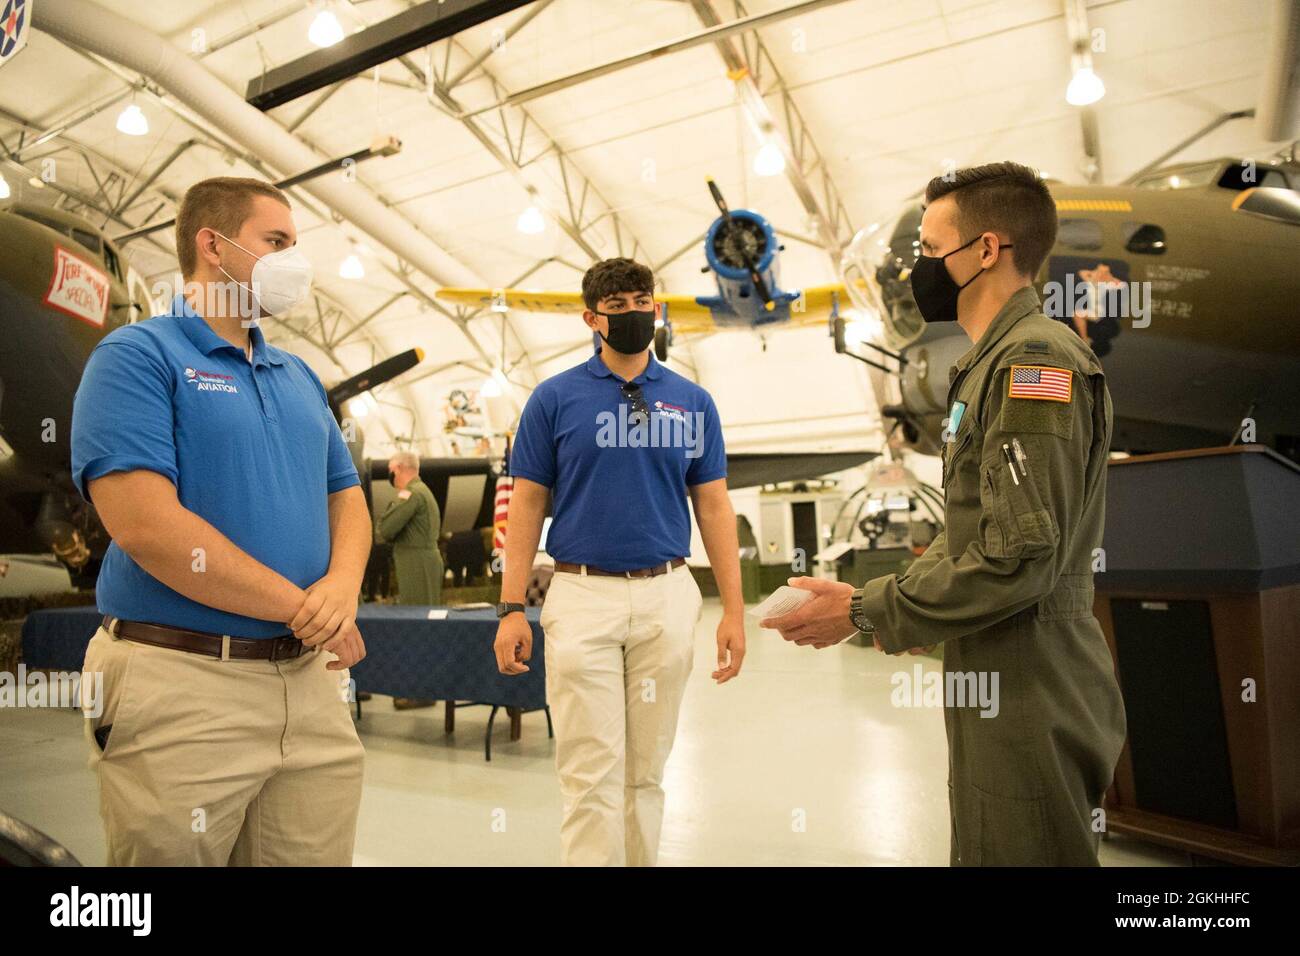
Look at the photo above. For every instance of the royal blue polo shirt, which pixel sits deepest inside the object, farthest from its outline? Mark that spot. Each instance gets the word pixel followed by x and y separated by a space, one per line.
pixel 618 481
pixel 253 449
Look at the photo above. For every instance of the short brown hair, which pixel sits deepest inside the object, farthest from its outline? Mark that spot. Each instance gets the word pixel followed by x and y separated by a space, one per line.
pixel 221 203
pixel 613 276
pixel 1007 198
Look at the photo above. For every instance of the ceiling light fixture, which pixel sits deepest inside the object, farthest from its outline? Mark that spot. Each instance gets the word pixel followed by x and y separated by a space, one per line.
pixel 325 29
pixel 531 221
pixel 351 268
pixel 132 121
pixel 1085 87
pixel 769 161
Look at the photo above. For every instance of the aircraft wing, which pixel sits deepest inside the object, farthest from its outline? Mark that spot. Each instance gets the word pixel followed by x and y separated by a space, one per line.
pixel 747 469
pixel 686 314
pixel 682 309
pixel 817 301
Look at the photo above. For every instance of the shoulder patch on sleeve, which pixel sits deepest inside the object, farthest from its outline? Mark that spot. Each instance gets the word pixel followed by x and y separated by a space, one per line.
pixel 1034 414
pixel 1036 347
pixel 1041 382
pixel 1043 418
pixel 404 494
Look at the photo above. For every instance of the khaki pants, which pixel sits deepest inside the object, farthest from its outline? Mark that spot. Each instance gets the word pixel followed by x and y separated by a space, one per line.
pixel 216 763
pixel 618 652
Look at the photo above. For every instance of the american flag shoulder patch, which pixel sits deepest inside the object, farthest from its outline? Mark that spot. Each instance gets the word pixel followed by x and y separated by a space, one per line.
pixel 1040 381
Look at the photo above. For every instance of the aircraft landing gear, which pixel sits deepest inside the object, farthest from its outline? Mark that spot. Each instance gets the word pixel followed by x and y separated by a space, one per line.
pixel 661 343
pixel 838 333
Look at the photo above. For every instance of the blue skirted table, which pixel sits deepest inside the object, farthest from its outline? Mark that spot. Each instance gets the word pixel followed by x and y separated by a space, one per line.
pixel 408 654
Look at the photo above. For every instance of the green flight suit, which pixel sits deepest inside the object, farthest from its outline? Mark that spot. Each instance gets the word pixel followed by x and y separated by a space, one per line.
pixel 412 525
pixel 1008 588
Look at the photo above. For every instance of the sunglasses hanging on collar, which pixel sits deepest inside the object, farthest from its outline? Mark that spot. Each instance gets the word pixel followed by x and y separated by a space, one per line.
pixel 632 392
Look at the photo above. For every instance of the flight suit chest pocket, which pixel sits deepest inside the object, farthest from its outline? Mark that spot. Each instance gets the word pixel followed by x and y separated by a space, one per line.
pixel 1022 526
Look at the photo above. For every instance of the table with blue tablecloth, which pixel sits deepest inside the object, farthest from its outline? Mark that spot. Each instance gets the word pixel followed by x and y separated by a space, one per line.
pixel 407 655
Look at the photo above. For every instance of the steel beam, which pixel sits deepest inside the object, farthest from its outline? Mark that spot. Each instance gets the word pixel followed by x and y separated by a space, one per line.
pixel 805 168
pixel 400 34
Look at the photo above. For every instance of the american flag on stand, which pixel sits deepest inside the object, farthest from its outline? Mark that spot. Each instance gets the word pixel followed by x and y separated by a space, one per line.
pixel 505 488
pixel 1039 381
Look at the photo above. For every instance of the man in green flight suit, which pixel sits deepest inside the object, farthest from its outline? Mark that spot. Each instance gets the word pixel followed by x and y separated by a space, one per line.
pixel 411 522
pixel 1007 587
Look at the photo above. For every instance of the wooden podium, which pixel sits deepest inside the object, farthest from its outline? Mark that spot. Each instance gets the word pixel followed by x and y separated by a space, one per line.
pixel 1200 603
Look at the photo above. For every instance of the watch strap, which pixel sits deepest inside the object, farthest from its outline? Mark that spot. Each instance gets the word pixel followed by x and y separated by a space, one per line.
pixel 508 607
pixel 856 616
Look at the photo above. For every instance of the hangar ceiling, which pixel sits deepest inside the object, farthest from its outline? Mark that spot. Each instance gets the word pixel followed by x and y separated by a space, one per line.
pixel 869 97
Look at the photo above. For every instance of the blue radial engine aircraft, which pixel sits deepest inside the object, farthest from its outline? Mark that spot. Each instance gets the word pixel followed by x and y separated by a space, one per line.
pixel 741 251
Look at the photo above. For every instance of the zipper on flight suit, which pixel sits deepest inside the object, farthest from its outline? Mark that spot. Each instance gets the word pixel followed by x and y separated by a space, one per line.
pixel 949 452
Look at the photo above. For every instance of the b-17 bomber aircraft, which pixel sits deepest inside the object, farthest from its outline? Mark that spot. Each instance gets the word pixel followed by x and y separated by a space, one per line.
pixel 1184 282
pixel 64 285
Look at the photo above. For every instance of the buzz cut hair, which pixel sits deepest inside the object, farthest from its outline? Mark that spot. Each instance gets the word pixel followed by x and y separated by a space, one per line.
pixel 1002 197
pixel 614 277
pixel 222 203
pixel 406 459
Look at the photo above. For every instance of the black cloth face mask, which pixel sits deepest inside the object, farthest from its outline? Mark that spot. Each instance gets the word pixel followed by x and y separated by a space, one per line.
pixel 934 289
pixel 630 332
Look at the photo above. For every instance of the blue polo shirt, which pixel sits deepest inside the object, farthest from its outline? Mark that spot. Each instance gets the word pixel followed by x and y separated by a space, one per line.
pixel 252 449
pixel 618 483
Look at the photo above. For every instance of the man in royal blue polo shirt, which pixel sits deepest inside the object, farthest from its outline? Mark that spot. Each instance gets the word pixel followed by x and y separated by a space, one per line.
pixel 240 536
pixel 621 442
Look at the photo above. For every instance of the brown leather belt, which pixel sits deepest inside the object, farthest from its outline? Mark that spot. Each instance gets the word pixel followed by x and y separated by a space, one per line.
pixel 221 646
pixel 638 573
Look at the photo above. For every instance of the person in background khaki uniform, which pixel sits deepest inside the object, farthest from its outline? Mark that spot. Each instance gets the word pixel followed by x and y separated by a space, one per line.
pixel 1008 584
pixel 411 523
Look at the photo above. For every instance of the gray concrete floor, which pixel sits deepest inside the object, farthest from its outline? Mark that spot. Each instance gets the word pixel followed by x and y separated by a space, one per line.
pixel 799 761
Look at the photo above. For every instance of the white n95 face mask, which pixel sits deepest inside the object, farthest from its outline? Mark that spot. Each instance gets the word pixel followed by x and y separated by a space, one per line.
pixel 281 280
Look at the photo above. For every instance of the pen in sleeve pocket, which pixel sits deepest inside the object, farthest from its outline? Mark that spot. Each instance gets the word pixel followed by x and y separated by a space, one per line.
pixel 1006 453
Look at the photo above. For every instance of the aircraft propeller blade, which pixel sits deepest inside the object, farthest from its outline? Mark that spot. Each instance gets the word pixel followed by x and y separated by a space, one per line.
pixel 760 286
pixel 717 198
pixel 385 371
pixel 751 265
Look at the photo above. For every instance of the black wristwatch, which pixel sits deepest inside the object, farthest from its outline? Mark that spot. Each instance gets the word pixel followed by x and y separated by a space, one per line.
pixel 857 617
pixel 505 608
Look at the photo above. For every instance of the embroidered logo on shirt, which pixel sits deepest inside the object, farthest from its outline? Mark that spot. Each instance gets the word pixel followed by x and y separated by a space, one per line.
pixel 1041 382
pixel 210 381
pixel 671 426
pixel 675 412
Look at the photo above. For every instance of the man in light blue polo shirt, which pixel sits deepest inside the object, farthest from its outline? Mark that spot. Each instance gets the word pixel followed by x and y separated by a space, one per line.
pixel 621 442
pixel 240 536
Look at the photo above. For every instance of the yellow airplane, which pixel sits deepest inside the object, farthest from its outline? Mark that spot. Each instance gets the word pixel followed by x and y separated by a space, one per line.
pixel 741 249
